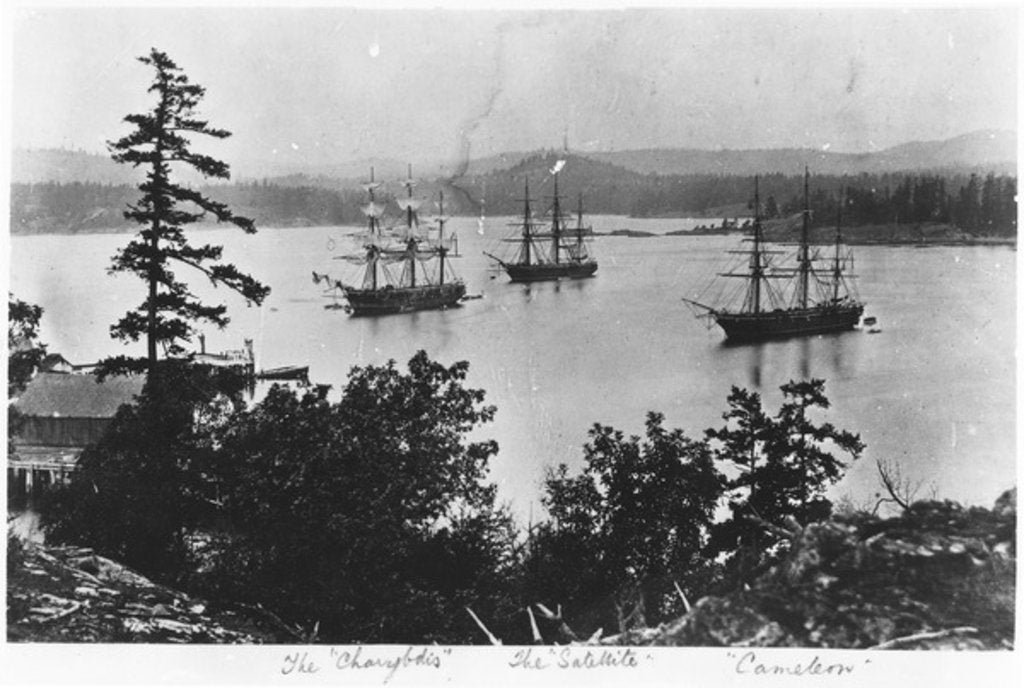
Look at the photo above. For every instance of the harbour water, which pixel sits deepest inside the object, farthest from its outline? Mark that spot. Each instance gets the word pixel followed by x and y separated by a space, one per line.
pixel 933 392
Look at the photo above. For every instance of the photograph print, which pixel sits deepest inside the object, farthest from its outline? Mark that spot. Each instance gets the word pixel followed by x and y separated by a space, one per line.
pixel 552 337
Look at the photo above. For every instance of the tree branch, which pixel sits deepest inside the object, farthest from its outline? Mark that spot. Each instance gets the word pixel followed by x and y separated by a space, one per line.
pixel 209 273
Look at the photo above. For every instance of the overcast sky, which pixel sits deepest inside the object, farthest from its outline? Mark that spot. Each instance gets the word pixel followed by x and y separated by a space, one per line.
pixel 328 85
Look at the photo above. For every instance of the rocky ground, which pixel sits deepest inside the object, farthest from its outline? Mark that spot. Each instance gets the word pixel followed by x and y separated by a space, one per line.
pixel 67 594
pixel 939 576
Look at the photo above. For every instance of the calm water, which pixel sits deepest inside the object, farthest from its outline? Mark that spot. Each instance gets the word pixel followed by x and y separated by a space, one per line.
pixel 934 391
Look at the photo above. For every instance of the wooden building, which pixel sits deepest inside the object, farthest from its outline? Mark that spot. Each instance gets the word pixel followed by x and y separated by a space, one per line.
pixel 62 413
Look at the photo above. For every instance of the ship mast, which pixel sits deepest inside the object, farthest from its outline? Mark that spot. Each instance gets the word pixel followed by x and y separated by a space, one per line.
pixel 373 250
pixel 579 228
pixel 441 250
pixel 556 224
pixel 756 267
pixel 527 238
pixel 410 219
pixel 837 266
pixel 805 259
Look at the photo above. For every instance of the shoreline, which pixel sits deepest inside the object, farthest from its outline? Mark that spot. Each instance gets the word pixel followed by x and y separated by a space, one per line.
pixel 944 236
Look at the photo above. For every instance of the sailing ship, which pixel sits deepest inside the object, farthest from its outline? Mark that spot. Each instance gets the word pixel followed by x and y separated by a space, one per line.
pixel 412 274
pixel 556 253
pixel 821 298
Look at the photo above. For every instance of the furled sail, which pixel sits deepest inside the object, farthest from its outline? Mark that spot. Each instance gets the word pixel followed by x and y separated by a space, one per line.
pixel 409 203
pixel 374 210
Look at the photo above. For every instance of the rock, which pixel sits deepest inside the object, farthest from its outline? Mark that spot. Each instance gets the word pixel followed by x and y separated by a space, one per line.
pixel 939 576
pixel 720 621
pixel 48 602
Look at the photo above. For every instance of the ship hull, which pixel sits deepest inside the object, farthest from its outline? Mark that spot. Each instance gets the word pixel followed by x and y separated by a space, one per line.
pixel 753 327
pixel 404 299
pixel 549 271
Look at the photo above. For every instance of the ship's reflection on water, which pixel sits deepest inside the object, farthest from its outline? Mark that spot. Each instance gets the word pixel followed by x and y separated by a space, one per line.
pixel 820 356
pixel 756 365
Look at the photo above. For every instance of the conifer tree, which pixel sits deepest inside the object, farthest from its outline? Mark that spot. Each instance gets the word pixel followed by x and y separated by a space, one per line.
pixel 161 139
pixel 782 465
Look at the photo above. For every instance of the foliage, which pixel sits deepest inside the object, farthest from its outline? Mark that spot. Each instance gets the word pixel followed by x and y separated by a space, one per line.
pixel 160 138
pixel 24 355
pixel 368 518
pixel 627 529
pixel 983 209
pixel 145 484
pixel 983 206
pixel 24 351
pixel 781 467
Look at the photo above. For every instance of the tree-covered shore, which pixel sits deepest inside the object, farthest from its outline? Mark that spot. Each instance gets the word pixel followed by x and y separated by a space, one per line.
pixel 960 205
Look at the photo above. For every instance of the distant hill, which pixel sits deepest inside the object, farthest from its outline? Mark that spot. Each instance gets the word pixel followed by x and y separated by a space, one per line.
pixel 981 148
pixel 606 188
pixel 66 166
pixel 33 166
pixel 992 150
pixel 353 172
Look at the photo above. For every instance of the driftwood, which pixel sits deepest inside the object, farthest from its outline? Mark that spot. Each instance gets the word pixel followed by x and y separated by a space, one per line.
pixel 278 623
pixel 917 637
pixel 490 636
pixel 75 606
pixel 533 627
pixel 686 602
pixel 563 628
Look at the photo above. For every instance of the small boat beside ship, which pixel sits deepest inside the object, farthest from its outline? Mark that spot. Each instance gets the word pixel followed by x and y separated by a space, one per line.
pixel 412 273
pixel 557 252
pixel 820 299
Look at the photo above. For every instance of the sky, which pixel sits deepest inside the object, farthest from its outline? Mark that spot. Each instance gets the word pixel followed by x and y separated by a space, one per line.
pixel 325 85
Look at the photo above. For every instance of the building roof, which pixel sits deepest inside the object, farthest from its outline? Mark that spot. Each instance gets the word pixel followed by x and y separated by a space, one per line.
pixel 70 395
pixel 55 362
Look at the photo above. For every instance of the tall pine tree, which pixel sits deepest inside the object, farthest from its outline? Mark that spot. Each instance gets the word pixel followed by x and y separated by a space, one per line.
pixel 160 139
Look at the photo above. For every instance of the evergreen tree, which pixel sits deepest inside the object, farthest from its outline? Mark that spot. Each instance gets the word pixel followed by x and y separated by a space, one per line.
pixel 989 207
pixel 781 468
pixel 1008 207
pixel 969 209
pixel 160 139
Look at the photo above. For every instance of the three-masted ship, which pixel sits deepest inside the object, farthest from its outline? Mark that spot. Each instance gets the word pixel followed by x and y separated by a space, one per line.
pixel 821 299
pixel 410 274
pixel 553 253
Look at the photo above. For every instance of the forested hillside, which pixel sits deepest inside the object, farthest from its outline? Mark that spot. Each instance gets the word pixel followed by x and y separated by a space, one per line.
pixel 977 203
